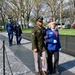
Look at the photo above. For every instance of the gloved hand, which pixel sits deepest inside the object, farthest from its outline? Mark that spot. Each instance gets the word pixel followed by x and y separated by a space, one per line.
pixel 6 33
pixel 41 58
pixel 21 34
pixel 59 49
pixel 14 33
pixel 55 41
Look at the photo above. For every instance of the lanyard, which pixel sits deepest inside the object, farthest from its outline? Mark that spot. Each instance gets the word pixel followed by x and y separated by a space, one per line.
pixel 55 32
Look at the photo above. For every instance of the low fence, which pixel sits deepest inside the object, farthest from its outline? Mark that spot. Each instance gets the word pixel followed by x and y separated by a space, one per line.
pixel 67 43
pixel 5 57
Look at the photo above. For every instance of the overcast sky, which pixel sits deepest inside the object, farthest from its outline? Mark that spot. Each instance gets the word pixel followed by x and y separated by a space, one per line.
pixel 66 0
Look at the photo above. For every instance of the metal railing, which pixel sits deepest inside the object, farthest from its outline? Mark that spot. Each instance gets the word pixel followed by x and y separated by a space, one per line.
pixel 5 56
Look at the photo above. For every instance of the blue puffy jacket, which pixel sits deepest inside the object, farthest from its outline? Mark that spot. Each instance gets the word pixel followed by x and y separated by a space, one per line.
pixel 9 27
pixel 50 44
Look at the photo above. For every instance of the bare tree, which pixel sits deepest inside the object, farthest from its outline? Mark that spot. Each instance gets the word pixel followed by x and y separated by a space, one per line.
pixel 26 10
pixel 74 10
pixel 2 11
pixel 52 4
pixel 29 4
pixel 19 10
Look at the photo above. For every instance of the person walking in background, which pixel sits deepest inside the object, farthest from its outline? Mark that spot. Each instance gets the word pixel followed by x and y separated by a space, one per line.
pixel 9 29
pixel 53 46
pixel 18 33
pixel 38 47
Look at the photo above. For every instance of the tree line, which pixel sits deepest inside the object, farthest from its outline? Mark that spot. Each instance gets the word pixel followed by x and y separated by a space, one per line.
pixel 26 11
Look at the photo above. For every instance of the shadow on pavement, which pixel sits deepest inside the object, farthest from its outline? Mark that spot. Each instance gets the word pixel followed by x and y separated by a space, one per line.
pixel 25 43
pixel 14 44
pixel 24 54
pixel 65 66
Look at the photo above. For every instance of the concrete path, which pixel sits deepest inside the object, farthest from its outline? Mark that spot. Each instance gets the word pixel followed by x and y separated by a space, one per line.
pixel 22 62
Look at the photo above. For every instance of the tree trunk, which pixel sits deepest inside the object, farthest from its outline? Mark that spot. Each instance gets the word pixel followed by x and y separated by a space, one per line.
pixel 27 26
pixel 24 23
pixel 61 14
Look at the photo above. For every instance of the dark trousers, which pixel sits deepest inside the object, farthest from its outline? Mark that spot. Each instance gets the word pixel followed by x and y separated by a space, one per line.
pixel 10 38
pixel 53 66
pixel 18 38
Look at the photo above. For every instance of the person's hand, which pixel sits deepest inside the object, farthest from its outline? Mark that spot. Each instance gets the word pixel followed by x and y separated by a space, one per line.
pixel 21 34
pixel 59 49
pixel 6 33
pixel 55 41
pixel 45 37
pixel 35 50
pixel 14 33
pixel 41 58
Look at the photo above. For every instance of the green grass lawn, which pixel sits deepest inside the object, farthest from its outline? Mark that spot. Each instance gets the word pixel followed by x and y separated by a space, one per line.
pixel 27 30
pixel 67 32
pixel 61 31
pixel 2 30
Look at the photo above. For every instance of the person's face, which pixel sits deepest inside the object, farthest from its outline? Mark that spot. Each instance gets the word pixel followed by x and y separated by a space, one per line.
pixel 52 25
pixel 39 23
pixel 8 20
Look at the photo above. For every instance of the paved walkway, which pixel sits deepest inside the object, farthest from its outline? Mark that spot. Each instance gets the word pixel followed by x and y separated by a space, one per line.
pixel 21 59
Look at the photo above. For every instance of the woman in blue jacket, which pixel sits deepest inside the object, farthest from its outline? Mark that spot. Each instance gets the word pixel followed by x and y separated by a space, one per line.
pixel 53 46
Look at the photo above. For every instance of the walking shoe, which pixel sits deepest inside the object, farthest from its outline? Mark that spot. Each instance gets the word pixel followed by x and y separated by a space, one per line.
pixel 50 71
pixel 44 73
pixel 19 43
pixel 38 73
pixel 57 73
pixel 10 44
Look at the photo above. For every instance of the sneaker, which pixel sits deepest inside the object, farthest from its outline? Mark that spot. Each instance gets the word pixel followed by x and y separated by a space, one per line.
pixel 51 72
pixel 19 43
pixel 57 73
pixel 10 44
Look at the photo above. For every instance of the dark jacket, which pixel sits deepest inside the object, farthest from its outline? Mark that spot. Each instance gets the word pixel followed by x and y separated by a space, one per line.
pixel 18 30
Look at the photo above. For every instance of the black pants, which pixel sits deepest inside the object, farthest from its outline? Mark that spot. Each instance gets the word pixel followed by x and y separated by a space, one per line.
pixel 18 38
pixel 53 67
